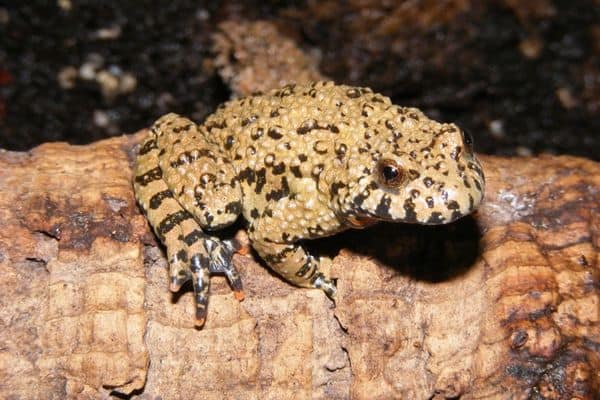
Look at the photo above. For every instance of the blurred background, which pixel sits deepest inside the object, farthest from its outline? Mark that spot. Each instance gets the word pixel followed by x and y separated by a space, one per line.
pixel 522 76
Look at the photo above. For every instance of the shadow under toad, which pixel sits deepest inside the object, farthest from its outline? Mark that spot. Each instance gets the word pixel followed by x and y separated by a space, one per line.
pixel 430 253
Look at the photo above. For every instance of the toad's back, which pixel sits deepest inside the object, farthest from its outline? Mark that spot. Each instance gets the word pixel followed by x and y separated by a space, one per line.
pixel 279 140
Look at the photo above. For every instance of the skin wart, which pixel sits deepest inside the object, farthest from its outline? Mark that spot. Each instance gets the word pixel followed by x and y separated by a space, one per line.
pixel 300 162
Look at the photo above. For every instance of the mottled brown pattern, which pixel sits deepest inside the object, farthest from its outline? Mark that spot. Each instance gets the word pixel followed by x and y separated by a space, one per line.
pixel 301 162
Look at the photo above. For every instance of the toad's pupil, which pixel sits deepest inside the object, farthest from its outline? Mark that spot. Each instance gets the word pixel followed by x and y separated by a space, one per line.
pixel 390 173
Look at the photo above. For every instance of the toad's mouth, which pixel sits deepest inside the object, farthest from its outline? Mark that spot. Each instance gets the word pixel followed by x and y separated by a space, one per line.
pixel 362 221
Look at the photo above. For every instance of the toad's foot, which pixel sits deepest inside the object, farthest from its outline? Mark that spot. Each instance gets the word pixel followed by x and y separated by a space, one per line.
pixel 208 255
pixel 221 254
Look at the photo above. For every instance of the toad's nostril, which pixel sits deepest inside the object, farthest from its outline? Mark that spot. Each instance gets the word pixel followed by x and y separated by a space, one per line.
pixel 467 138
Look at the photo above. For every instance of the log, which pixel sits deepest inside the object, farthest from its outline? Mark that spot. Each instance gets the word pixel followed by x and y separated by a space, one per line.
pixel 502 304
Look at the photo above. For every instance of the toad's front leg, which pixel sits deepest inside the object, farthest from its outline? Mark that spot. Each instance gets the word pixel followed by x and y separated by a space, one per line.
pixel 273 237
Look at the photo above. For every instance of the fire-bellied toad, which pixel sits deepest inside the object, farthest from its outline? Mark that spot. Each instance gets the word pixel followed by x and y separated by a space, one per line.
pixel 300 162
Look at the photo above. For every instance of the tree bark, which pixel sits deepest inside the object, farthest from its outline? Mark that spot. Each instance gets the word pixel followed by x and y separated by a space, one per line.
pixel 503 304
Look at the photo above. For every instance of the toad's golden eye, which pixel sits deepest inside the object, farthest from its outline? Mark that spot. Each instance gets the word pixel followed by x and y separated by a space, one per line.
pixel 390 173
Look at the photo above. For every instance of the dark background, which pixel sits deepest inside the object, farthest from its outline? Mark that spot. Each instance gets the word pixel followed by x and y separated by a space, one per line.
pixel 522 76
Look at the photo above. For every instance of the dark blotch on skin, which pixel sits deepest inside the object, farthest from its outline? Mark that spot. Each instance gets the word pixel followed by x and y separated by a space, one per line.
pixel 158 198
pixel 249 120
pixel 353 93
pixel 276 195
pixel 261 179
pixel 358 200
pixel 429 201
pixel 383 208
pixel 413 174
pixel 287 90
pixel 274 133
pixel 229 142
pixel 428 182
pixel 305 268
pixel 435 218
pixel 281 193
pixel 409 208
pixel 148 146
pixel 453 205
pixel 247 174
pixel 254 213
pixel 256 134
pixel 153 175
pixel 307 126
pixel 455 154
pixel 341 150
pixel 235 207
pixel 456 215
pixel 207 178
pixel 219 125
pixel 279 169
pixel 278 257
pixel 181 255
pixel 296 171
pixel 192 238
pixel 170 221
pixel 316 171
pixel 316 231
pixel 335 188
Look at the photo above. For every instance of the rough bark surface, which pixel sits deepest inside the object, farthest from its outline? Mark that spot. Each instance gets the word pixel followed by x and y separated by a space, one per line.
pixel 504 304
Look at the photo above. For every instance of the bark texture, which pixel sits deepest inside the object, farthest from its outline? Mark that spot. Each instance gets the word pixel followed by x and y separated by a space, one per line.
pixel 504 304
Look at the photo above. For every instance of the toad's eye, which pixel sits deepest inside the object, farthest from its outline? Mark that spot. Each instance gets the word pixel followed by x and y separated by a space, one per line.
pixel 390 173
